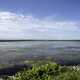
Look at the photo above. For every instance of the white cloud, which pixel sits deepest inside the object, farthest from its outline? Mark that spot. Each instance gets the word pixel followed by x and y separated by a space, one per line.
pixel 16 26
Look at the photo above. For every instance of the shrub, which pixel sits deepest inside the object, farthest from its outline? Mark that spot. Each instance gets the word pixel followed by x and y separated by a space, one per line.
pixel 50 71
pixel 43 72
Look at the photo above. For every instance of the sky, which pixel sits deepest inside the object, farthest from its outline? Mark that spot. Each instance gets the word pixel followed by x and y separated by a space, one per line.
pixel 40 19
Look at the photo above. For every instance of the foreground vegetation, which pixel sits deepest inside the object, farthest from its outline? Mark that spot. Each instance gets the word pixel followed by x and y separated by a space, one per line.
pixel 48 71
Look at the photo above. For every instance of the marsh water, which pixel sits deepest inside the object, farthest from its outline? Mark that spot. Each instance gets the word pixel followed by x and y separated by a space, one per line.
pixel 15 52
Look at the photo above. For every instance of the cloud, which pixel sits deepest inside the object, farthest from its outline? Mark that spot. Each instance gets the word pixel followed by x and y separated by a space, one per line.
pixel 19 26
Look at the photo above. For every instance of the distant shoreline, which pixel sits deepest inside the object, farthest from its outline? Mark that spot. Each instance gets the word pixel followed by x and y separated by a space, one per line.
pixel 34 40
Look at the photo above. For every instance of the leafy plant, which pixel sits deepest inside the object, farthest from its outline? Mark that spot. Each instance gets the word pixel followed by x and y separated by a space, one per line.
pixel 49 71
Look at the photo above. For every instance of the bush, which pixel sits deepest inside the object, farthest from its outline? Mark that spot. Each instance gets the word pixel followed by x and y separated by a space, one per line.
pixel 50 71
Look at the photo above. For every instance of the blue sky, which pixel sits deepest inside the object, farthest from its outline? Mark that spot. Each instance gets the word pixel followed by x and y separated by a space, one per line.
pixel 40 19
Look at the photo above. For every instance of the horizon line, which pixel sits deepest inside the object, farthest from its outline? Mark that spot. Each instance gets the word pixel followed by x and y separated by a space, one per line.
pixel 10 40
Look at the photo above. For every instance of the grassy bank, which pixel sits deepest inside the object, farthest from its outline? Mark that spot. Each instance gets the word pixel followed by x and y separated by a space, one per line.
pixel 47 71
